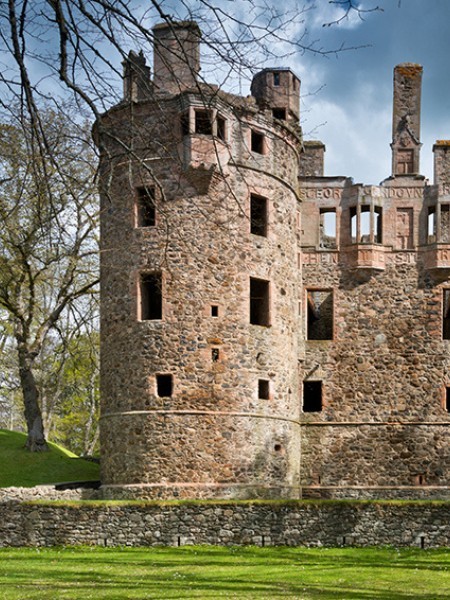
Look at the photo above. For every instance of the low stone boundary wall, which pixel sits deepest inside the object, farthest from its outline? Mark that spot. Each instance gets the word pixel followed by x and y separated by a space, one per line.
pixel 302 523
pixel 46 492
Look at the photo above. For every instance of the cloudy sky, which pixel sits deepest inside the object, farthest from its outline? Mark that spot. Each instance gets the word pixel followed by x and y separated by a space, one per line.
pixel 352 113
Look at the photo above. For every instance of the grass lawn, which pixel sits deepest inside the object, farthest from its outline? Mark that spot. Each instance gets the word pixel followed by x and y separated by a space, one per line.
pixel 216 572
pixel 25 469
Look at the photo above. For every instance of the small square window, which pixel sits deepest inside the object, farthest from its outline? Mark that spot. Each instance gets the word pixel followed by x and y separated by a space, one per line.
pixel 263 389
pixel 214 310
pixel 164 386
pixel 279 113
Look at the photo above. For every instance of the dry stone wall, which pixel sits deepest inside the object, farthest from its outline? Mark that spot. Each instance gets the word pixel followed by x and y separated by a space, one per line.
pixel 424 525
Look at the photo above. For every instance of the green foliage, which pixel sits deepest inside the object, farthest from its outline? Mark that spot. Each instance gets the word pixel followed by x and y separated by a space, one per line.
pixel 217 572
pixel 20 468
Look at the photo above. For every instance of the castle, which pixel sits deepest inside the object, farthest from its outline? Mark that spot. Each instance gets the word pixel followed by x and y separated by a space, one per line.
pixel 266 330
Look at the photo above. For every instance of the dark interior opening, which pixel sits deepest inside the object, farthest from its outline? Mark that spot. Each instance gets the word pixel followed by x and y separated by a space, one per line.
pixel 257 142
pixel 151 296
pixel 312 396
pixel 263 389
pixel 446 314
pixel 320 314
pixel 214 310
pixel 279 113
pixel 164 385
pixel 258 215
pixel 259 302
pixel 203 123
pixel 146 212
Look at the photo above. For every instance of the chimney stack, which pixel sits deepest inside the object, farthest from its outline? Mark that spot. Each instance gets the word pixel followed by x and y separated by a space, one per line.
pixel 406 119
pixel 176 61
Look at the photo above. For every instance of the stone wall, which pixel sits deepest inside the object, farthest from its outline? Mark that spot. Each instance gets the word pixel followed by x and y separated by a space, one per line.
pixel 47 492
pixel 291 523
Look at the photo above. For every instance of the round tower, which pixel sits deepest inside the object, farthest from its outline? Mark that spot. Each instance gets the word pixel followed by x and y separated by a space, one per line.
pixel 200 286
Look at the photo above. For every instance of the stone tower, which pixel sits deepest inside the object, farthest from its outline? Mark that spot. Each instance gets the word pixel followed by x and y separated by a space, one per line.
pixel 200 281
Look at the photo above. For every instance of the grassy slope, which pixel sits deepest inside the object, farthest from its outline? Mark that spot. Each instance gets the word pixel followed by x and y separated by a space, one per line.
pixel 213 572
pixel 25 469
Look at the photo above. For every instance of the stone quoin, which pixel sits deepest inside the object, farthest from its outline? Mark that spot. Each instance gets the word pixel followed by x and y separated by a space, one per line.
pixel 266 330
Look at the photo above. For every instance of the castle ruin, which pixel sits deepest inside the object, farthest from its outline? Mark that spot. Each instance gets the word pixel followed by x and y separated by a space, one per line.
pixel 266 330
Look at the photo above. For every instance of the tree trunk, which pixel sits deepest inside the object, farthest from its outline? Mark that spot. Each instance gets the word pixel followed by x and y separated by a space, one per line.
pixel 36 439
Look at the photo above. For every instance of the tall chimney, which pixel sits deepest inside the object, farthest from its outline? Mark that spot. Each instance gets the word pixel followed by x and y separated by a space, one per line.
pixel 406 119
pixel 176 59
pixel 136 77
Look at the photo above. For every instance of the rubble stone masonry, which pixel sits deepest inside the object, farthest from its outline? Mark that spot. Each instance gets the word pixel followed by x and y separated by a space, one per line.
pixel 266 331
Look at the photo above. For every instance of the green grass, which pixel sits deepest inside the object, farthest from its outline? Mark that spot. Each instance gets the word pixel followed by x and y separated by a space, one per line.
pixel 216 572
pixel 25 469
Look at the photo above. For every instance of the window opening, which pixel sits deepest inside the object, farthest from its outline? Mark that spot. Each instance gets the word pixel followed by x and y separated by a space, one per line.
pixel 263 389
pixel 146 212
pixel 279 113
pixel 364 224
pixel 431 224
pixel 184 123
pixel 445 224
pixel 215 354
pixel 278 447
pixel 354 224
pixel 203 123
pixel 446 314
pixel 276 79
pixel 447 399
pixel 214 310
pixel 312 396
pixel 319 314
pixel 150 296
pixel 259 302
pixel 221 128
pixel 327 228
pixel 164 386
pixel 377 224
pixel 257 143
pixel 258 215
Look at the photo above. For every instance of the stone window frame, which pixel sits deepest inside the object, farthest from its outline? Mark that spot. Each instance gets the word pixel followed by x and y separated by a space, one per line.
pixel 323 210
pixel 375 225
pixel 264 141
pixel 333 316
pixel 219 123
pixel 138 295
pixel 435 211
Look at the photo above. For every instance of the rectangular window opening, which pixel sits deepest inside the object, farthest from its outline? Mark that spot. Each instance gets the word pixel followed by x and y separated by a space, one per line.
pixel 214 310
pixel 263 389
pixel 259 302
pixel 203 123
pixel 150 296
pixel 377 224
pixel 215 354
pixel 279 113
pixel 431 233
pixel 257 142
pixel 447 399
pixel 327 228
pixel 319 314
pixel 258 215
pixel 164 386
pixel 364 225
pixel 312 396
pixel 354 224
pixel 221 128
pixel 276 79
pixel 446 314
pixel 146 212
